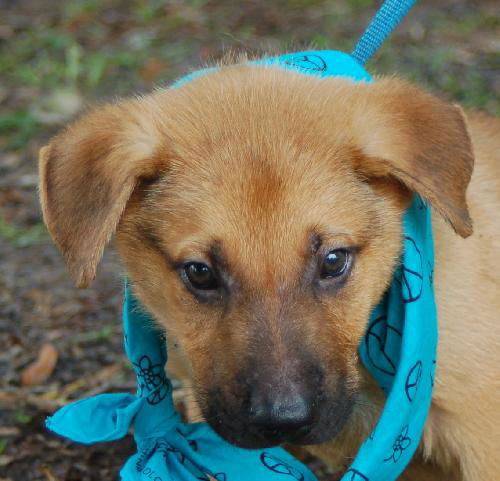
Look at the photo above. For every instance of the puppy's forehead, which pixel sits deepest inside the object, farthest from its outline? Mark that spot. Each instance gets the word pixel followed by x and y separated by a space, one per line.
pixel 259 210
pixel 257 175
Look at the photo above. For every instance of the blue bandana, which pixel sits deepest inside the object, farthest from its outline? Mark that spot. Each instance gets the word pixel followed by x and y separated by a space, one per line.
pixel 398 349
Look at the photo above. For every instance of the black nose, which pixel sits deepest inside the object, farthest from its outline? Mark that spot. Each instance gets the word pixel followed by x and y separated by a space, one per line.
pixel 280 413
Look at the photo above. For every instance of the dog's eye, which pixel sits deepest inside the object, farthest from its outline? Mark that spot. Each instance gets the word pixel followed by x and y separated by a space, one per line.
pixel 201 276
pixel 335 263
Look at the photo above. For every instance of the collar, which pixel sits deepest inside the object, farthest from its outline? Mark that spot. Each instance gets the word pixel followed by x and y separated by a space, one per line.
pixel 398 349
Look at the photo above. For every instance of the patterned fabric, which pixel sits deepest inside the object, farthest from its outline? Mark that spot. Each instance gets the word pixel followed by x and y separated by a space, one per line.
pixel 320 63
pixel 398 349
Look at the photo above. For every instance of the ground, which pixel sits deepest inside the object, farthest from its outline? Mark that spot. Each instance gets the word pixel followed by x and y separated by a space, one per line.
pixel 57 57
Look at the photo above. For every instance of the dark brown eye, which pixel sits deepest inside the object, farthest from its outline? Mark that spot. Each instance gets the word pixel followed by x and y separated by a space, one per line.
pixel 335 263
pixel 201 276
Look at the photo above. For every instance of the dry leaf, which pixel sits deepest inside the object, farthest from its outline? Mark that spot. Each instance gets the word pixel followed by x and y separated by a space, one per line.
pixel 39 370
pixel 48 473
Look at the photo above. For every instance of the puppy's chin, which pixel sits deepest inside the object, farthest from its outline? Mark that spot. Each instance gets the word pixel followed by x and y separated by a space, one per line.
pixel 332 417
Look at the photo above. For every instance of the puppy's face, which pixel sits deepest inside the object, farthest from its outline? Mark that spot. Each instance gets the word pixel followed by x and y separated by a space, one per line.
pixel 264 267
pixel 258 214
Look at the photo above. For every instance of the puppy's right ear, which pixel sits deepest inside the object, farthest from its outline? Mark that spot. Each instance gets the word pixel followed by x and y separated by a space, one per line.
pixel 87 175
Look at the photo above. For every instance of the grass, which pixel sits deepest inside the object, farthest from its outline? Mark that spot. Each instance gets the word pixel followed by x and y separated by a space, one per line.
pixel 23 236
pixel 21 417
pixel 3 445
pixel 17 127
pixel 94 336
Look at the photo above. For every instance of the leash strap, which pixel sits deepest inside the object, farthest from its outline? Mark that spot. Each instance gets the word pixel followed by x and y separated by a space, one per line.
pixel 385 21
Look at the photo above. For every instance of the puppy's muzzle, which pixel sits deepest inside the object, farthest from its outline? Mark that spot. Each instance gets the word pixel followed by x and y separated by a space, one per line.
pixel 268 404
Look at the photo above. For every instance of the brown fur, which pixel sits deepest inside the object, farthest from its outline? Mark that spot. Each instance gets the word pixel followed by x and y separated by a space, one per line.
pixel 241 169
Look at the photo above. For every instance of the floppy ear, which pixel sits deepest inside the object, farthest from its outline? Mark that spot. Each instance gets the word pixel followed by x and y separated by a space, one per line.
pixel 421 141
pixel 87 175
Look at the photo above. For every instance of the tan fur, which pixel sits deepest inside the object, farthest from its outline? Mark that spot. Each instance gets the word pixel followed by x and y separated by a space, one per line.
pixel 254 159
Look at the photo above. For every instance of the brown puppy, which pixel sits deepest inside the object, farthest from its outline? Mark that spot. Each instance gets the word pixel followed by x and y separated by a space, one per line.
pixel 258 215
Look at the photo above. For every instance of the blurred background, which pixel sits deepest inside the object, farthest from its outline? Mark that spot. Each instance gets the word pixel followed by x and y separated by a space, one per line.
pixel 58 343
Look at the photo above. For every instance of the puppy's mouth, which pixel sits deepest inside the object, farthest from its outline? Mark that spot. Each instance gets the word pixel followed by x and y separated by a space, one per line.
pixel 298 424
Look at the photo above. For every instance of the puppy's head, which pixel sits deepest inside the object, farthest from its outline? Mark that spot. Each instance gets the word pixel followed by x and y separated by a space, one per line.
pixel 258 214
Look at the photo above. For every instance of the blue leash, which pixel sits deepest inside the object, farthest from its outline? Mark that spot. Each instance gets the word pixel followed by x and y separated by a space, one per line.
pixel 385 21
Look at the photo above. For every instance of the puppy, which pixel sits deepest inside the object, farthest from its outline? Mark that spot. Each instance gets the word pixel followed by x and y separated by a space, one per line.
pixel 258 213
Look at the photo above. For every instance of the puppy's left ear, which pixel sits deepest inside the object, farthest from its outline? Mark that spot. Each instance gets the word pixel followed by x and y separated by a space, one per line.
pixel 421 141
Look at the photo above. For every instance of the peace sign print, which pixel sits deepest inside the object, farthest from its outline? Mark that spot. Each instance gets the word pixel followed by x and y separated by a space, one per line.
pixel 279 466
pixel 378 337
pixel 355 475
pixel 410 274
pixel 307 62
pixel 413 381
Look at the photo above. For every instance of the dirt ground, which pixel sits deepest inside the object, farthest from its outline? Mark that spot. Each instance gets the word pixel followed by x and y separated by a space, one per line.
pixel 57 57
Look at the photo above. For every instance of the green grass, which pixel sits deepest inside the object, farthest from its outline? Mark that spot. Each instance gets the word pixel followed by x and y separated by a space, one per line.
pixel 94 336
pixel 21 417
pixel 17 127
pixel 3 445
pixel 23 236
